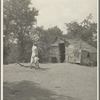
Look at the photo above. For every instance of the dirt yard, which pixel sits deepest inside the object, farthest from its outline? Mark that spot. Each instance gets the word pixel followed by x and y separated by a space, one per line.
pixel 52 82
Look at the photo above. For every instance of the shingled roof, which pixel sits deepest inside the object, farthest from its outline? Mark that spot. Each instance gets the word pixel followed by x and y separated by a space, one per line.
pixel 84 45
pixel 59 40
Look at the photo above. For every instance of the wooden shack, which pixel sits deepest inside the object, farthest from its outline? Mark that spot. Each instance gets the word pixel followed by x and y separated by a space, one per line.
pixel 81 52
pixel 58 50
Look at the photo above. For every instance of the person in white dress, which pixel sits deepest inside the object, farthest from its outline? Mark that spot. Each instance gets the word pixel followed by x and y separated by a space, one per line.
pixel 34 56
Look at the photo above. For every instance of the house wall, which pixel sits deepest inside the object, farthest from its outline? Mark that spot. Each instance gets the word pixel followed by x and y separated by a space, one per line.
pixel 84 58
pixel 66 54
pixel 91 60
pixel 54 53
pixel 72 54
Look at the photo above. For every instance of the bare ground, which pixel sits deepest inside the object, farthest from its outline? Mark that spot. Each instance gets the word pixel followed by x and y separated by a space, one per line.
pixel 52 82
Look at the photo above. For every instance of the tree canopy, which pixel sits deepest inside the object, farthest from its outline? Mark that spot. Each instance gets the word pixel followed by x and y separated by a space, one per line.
pixel 86 30
pixel 18 18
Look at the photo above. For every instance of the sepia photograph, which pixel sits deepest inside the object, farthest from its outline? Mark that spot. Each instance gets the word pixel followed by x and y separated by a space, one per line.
pixel 49 50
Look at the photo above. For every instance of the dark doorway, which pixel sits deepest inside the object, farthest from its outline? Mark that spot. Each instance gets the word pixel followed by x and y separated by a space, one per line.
pixel 62 52
pixel 54 59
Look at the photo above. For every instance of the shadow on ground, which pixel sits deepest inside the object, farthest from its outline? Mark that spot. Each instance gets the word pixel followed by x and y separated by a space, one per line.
pixel 27 90
pixel 33 67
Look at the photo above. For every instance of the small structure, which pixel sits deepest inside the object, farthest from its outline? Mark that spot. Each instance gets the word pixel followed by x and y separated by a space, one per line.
pixel 81 52
pixel 73 51
pixel 58 50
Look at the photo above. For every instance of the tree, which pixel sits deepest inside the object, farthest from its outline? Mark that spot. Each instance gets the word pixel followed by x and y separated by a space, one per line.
pixel 84 30
pixel 18 18
pixel 74 29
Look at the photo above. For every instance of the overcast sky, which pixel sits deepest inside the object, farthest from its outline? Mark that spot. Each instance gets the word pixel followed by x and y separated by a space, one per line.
pixel 58 12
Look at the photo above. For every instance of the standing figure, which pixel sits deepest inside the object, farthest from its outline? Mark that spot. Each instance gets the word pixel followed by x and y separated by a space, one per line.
pixel 34 56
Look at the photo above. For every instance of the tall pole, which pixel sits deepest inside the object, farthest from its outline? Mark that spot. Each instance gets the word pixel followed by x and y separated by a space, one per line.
pixel 80 58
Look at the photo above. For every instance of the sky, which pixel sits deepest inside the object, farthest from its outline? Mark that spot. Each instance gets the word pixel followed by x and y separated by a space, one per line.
pixel 58 12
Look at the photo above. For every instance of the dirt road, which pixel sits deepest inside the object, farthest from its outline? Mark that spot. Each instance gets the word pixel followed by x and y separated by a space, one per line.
pixel 52 82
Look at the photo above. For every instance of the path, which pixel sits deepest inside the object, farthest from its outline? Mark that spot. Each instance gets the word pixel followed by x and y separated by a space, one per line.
pixel 52 82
